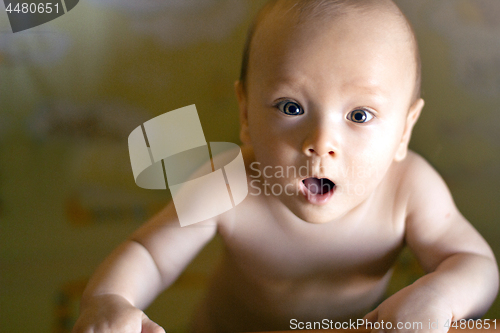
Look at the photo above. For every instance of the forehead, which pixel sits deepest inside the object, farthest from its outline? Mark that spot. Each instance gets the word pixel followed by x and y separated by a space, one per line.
pixel 316 15
pixel 375 38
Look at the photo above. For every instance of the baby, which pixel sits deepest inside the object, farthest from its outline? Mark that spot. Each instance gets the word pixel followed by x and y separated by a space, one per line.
pixel 328 96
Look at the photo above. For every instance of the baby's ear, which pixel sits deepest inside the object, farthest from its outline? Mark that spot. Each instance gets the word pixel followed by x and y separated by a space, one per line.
pixel 411 119
pixel 243 107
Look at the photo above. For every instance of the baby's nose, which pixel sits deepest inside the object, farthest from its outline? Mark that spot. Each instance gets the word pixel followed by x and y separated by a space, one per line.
pixel 319 152
pixel 320 143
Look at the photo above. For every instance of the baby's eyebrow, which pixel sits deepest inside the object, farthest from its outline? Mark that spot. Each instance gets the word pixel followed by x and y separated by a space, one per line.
pixel 286 79
pixel 286 83
pixel 370 86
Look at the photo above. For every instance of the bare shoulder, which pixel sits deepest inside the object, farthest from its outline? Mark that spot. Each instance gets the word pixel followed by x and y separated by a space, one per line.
pixel 414 167
pixel 426 191
pixel 435 228
pixel 418 178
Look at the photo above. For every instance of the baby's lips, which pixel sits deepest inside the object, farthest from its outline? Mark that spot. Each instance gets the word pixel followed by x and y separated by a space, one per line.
pixel 317 191
pixel 318 186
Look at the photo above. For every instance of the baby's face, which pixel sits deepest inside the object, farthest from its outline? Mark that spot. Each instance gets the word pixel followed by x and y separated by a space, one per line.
pixel 329 105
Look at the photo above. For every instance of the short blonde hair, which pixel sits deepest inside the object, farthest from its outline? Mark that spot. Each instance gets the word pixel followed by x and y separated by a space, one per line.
pixel 329 9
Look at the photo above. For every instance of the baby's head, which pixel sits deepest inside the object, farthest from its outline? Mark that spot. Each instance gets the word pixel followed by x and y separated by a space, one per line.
pixel 307 12
pixel 333 86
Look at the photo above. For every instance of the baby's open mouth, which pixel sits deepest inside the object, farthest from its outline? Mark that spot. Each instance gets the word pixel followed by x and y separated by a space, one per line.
pixel 318 190
pixel 318 185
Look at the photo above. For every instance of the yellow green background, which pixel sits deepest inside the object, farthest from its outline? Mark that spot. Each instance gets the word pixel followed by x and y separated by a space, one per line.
pixel 72 89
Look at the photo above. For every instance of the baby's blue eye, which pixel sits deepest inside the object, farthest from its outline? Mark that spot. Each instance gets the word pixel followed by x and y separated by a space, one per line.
pixel 360 116
pixel 290 108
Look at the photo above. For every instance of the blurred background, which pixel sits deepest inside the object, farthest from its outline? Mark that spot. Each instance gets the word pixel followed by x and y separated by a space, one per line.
pixel 71 91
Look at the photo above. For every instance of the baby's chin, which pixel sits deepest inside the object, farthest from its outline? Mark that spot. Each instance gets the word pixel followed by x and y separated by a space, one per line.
pixel 315 218
pixel 311 213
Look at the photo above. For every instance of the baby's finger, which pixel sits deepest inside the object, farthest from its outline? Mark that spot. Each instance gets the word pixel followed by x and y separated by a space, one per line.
pixel 149 326
pixel 371 317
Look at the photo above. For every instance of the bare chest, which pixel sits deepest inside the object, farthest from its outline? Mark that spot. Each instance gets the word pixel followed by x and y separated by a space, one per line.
pixel 268 245
pixel 333 270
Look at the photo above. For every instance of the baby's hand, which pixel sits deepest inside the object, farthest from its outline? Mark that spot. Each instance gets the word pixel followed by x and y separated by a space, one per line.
pixel 412 309
pixel 113 313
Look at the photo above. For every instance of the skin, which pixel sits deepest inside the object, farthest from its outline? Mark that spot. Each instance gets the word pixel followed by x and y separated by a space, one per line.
pixel 287 256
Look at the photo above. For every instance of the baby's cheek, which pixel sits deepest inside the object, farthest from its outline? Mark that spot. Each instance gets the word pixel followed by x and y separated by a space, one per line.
pixel 368 170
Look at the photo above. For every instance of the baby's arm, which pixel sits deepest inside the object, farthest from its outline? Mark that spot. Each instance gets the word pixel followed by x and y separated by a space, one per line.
pixel 462 279
pixel 137 271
